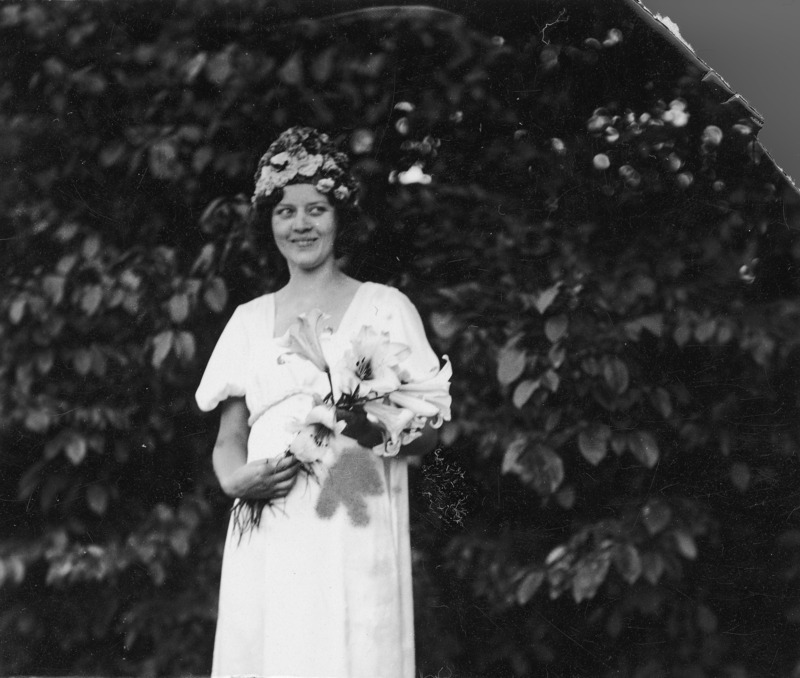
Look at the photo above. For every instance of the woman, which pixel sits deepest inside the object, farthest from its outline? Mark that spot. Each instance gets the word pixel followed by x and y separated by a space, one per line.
pixel 321 586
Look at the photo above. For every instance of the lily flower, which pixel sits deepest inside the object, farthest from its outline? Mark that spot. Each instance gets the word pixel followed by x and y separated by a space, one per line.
pixel 430 398
pixel 371 365
pixel 317 439
pixel 303 338
pixel 394 420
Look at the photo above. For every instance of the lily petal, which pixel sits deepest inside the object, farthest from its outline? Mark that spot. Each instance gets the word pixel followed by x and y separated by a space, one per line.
pixel 303 338
pixel 393 419
pixel 418 406
pixel 371 364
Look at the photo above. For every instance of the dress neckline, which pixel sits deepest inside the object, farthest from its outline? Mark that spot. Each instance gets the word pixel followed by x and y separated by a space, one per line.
pixel 272 308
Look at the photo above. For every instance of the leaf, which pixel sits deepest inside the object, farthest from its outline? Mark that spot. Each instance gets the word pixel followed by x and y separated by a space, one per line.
pixel 510 365
pixel 90 301
pixel 216 295
pixel 740 476
pixel 628 562
pixel 373 66
pixel 17 310
pixel 556 327
pixel 555 555
pixel 44 361
pixel 66 264
pixel 292 70
pixel 543 299
pixel 322 67
pixel 111 154
pixel 682 334
pixel 97 499
pixel 590 573
pixel 37 421
pixel 91 247
pixel 444 324
pixel 551 381
pixel 548 470
pixel 193 66
pixel 529 586
pixel 179 308
pixel 76 449
pixel 644 286
pixel 219 68
pixel 515 449
pixel 162 344
pixel 653 323
pixel 705 330
pixel 524 390
pixel 593 442
pixel 644 447
pixel 656 515
pixel 99 362
pixel 82 361
pixel 201 158
pixel 53 286
pixel 661 401
pixel 556 355
pixel 616 374
pixel 686 544
pixel 652 567
pixel 536 465
pixel 725 333
pixel 185 346
pixel 565 498
pixel 619 443
pixel 162 158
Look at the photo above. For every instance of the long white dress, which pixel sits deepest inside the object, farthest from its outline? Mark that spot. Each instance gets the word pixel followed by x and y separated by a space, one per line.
pixel 306 596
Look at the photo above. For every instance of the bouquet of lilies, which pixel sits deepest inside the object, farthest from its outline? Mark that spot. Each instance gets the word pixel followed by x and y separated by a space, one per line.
pixel 371 402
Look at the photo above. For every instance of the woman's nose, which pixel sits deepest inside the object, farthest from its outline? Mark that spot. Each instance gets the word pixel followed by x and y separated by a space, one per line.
pixel 302 222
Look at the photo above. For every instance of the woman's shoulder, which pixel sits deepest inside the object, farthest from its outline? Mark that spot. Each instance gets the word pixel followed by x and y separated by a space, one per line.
pixel 253 310
pixel 388 303
pixel 386 293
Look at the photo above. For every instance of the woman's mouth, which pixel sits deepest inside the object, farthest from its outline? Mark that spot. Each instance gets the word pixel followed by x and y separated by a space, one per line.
pixel 304 242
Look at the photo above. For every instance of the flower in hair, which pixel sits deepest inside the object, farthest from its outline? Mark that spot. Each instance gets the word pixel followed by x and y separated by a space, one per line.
pixel 304 155
pixel 325 185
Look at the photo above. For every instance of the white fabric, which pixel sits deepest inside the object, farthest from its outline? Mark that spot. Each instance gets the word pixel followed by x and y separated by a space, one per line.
pixel 303 596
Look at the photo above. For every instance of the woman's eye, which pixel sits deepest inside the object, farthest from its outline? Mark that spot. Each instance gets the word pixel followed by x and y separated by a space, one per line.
pixel 283 213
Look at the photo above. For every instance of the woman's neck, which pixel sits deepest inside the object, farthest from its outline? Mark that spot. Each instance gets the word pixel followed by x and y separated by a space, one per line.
pixel 303 283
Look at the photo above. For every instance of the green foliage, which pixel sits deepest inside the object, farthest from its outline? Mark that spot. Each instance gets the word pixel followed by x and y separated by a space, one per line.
pixel 593 236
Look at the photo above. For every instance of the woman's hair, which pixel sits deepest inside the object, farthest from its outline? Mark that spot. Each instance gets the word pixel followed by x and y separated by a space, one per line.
pixel 304 155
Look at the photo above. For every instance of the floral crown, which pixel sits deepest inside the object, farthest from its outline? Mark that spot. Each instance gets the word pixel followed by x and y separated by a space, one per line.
pixel 303 155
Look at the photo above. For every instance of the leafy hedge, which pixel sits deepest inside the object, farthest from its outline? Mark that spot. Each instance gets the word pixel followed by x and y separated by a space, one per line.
pixel 592 234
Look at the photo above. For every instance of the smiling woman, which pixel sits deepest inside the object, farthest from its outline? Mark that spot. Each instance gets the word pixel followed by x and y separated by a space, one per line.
pixel 305 377
pixel 304 227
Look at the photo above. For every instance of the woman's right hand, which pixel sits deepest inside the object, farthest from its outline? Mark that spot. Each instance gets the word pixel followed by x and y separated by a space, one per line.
pixel 265 479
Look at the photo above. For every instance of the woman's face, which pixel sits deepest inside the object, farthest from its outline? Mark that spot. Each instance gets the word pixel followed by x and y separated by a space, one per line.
pixel 304 226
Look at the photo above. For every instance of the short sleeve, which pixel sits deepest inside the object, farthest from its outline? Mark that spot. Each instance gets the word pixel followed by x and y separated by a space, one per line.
pixel 406 327
pixel 226 371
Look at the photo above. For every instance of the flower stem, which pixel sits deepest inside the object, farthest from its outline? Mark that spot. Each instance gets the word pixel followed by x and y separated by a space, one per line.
pixel 330 381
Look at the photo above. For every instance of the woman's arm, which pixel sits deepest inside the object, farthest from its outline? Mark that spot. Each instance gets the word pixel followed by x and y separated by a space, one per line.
pixel 265 479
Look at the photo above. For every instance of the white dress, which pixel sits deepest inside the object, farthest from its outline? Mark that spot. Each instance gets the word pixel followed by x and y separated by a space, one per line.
pixel 306 596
